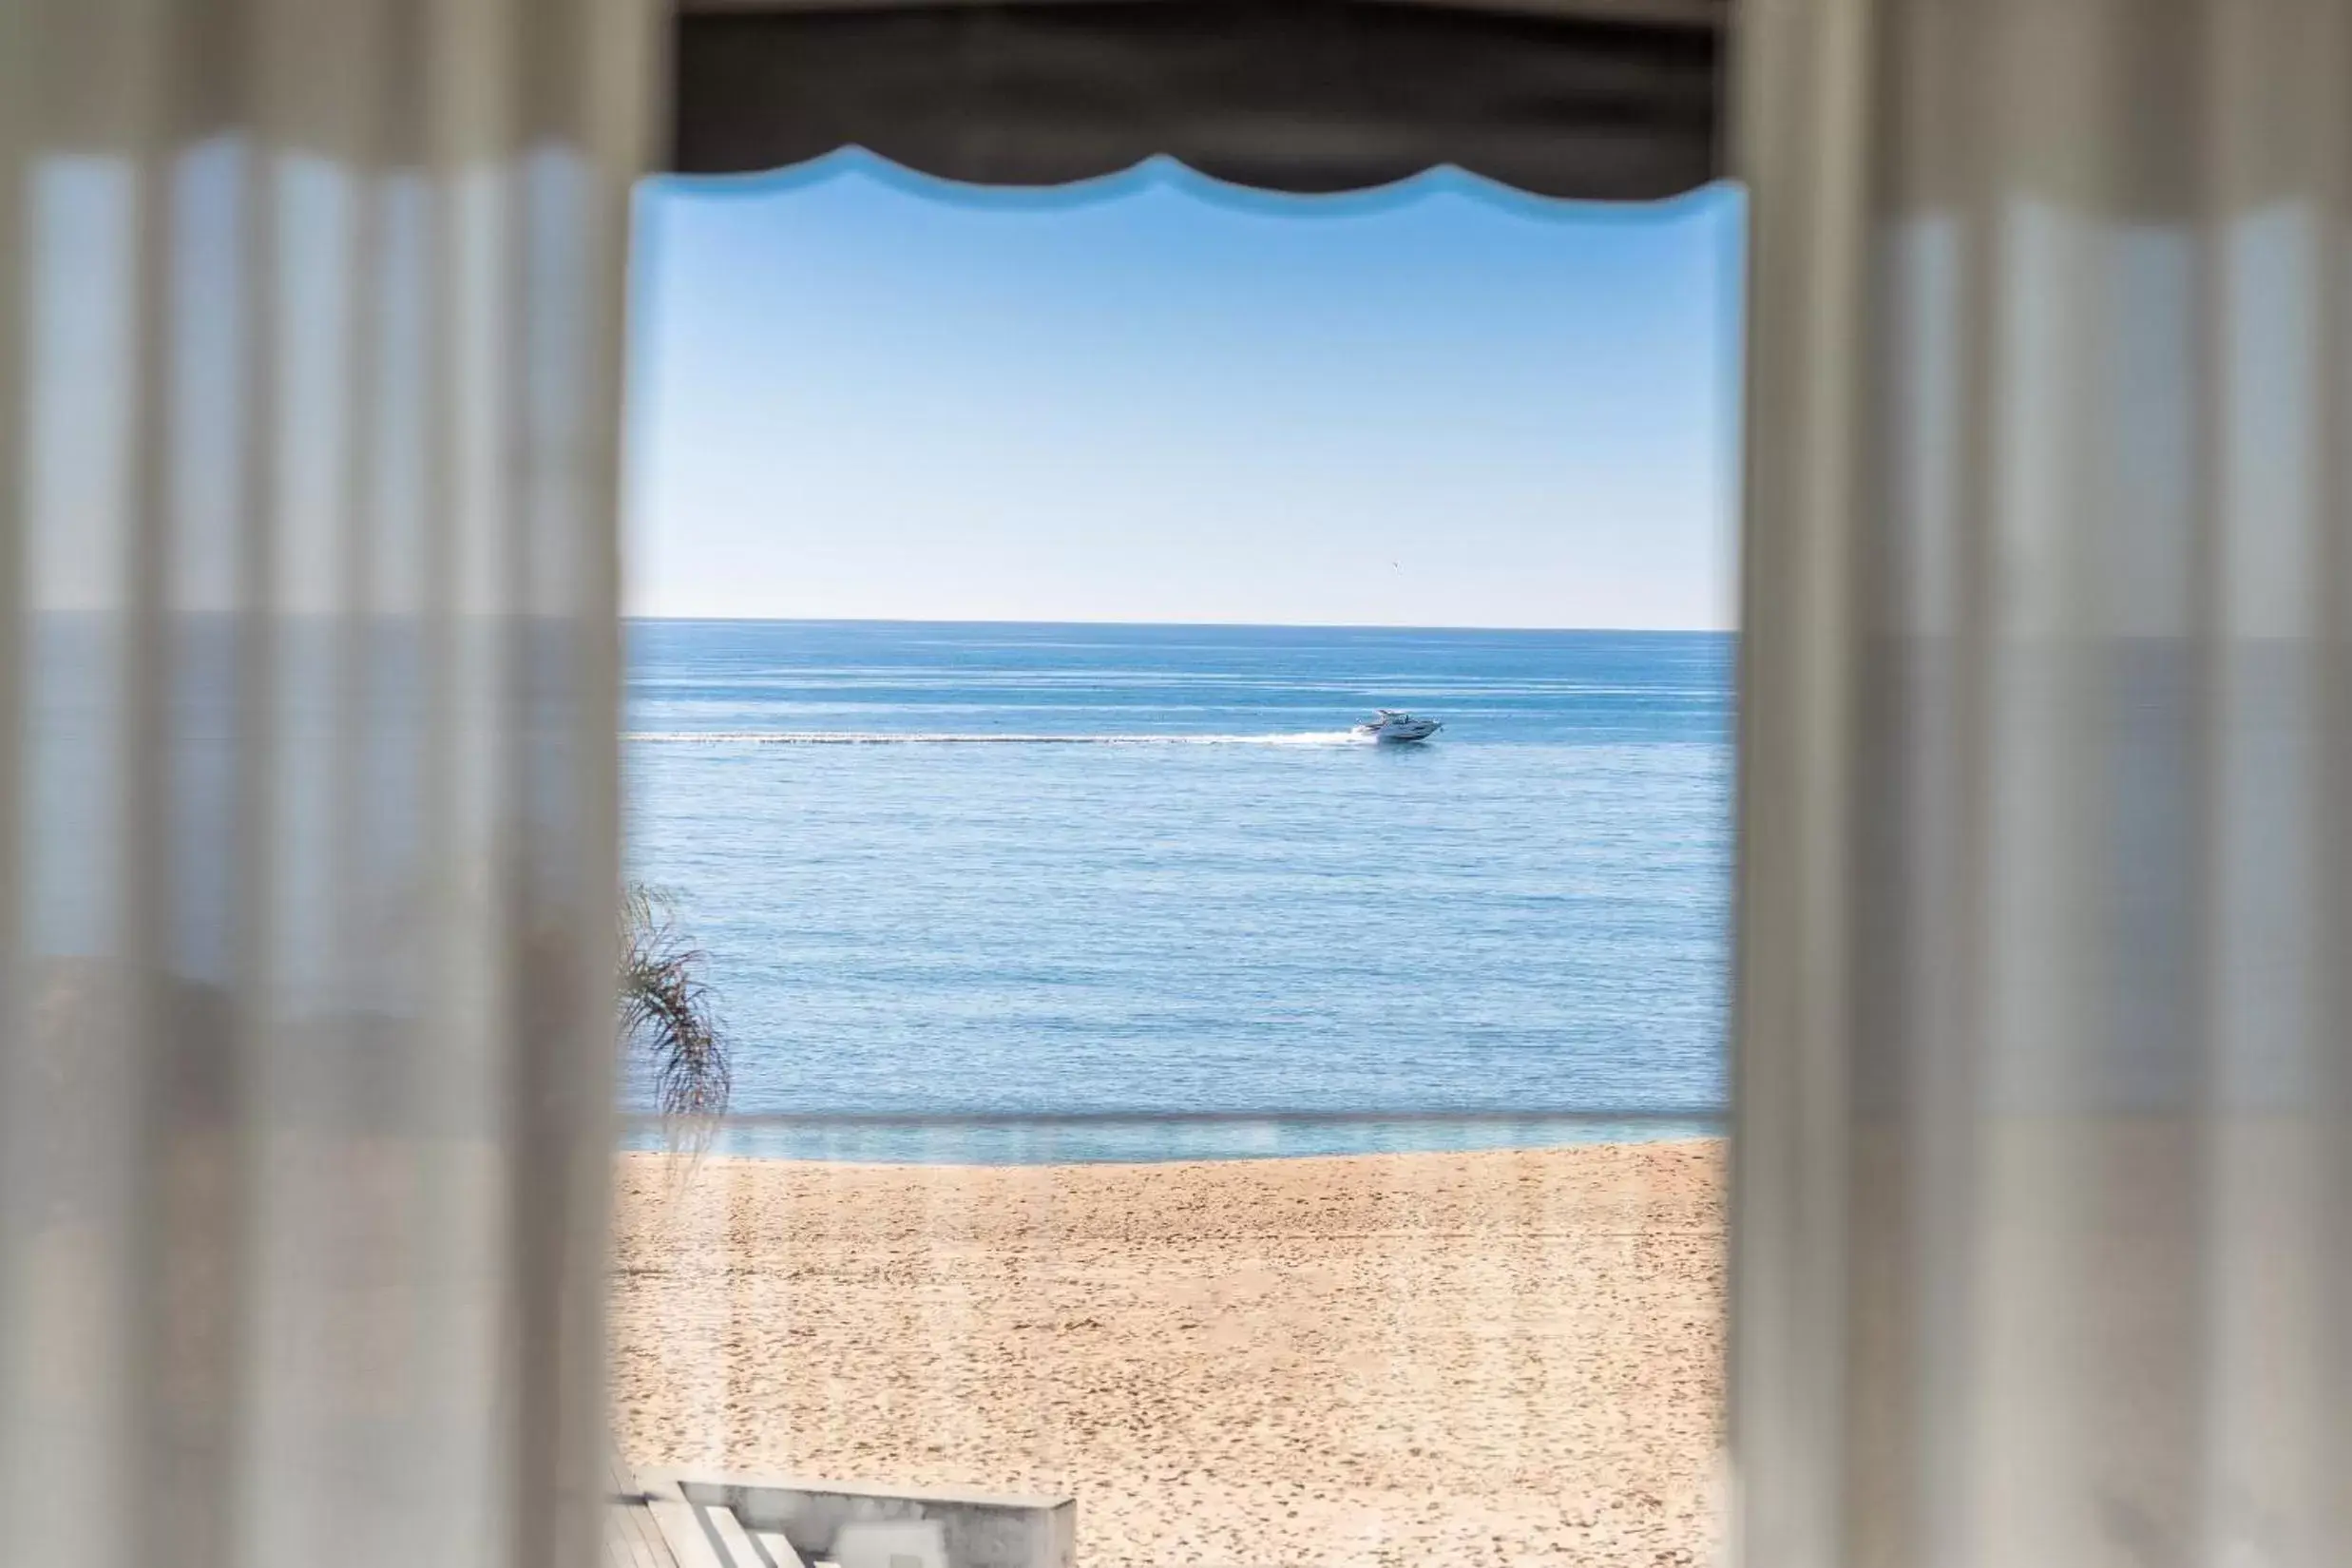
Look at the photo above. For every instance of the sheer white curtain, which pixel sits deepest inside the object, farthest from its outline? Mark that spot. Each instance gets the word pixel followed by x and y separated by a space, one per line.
pixel 2045 1167
pixel 309 320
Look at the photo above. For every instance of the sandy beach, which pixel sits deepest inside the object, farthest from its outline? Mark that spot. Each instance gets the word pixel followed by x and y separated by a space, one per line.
pixel 1483 1358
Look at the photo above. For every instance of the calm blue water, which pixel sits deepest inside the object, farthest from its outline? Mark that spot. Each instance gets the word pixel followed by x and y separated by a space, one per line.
pixel 1168 909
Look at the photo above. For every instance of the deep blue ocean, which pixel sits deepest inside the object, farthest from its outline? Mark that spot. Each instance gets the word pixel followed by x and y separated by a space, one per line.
pixel 1045 892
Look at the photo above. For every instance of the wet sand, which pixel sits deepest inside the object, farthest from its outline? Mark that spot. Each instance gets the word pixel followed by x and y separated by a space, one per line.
pixel 1483 1358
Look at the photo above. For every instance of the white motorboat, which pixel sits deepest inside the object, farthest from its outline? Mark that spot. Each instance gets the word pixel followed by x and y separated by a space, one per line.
pixel 1391 726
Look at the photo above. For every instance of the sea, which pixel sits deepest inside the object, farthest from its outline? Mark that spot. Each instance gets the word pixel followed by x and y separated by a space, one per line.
pixel 1027 894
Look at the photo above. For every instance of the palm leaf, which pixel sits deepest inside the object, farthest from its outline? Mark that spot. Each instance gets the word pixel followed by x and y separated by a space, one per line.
pixel 665 1010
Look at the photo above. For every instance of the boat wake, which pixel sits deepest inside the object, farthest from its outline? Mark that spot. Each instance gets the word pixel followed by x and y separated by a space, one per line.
pixel 839 738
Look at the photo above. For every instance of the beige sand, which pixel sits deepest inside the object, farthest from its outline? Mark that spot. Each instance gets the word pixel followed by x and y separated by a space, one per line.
pixel 1476 1358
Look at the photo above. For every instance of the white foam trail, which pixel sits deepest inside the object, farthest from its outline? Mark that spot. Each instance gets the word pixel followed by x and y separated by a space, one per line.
pixel 837 738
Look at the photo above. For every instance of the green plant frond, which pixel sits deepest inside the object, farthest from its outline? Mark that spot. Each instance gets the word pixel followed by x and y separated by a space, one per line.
pixel 665 1010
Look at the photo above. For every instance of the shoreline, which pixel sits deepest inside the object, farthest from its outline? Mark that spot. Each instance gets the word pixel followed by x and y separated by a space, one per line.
pixel 1481 1356
pixel 983 1142
pixel 633 1161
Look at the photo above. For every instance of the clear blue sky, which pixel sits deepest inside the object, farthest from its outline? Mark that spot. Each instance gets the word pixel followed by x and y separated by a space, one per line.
pixel 859 392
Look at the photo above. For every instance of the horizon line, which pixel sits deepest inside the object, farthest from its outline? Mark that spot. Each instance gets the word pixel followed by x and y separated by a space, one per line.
pixel 1172 625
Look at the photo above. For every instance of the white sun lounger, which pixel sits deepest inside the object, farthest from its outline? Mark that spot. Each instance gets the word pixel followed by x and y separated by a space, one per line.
pixel 892 1543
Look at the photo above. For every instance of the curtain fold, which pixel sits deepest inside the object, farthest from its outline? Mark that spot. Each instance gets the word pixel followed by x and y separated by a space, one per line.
pixel 2044 1168
pixel 309 390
